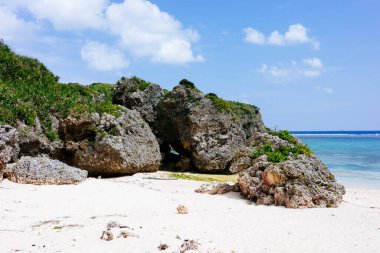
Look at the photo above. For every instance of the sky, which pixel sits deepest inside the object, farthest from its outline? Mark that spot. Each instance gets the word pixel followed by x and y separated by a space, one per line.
pixel 308 65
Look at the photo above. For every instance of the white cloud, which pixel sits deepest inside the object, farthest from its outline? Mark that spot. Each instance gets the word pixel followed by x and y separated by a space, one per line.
pixel 275 38
pixel 15 28
pixel 296 34
pixel 141 27
pixel 324 89
pixel 309 68
pixel 253 36
pixel 313 62
pixel 102 57
pixel 69 14
pixel 149 32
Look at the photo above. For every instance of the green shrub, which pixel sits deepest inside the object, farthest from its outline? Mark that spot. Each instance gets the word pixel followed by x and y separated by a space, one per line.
pixel 282 153
pixel 190 85
pixel 285 135
pixel 29 90
pixel 138 84
pixel 276 157
pixel 237 109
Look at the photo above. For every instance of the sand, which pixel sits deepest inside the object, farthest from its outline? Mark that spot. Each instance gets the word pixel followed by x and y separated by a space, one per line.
pixel 71 218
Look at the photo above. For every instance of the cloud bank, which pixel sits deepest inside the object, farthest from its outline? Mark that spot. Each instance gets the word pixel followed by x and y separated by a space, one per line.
pixel 136 27
pixel 296 34
pixel 308 68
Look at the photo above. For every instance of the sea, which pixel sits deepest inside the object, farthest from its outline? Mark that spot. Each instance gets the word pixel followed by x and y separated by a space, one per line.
pixel 352 156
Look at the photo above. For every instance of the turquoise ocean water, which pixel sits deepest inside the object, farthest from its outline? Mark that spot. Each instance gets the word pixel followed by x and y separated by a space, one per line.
pixel 353 156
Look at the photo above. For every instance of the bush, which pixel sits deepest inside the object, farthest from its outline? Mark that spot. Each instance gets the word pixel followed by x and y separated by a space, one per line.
pixel 237 109
pixel 29 90
pixel 282 153
pixel 285 135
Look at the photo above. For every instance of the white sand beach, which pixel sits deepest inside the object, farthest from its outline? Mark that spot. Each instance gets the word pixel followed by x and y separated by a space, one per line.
pixel 71 218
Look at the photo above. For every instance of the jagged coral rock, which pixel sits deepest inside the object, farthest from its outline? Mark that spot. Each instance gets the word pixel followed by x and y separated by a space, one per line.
pixel 110 145
pixel 300 181
pixel 43 170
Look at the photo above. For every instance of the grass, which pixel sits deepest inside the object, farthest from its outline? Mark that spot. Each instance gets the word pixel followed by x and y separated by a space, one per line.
pixel 189 85
pixel 29 90
pixel 205 177
pixel 285 135
pixel 138 84
pixel 282 154
pixel 237 109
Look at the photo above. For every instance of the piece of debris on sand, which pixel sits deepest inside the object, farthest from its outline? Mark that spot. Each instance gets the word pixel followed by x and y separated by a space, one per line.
pixel 126 234
pixel 181 209
pixel 163 246
pixel 188 245
pixel 107 236
pixel 217 188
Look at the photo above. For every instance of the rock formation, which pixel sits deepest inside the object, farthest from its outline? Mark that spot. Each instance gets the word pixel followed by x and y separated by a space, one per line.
pixel 202 129
pixel 286 173
pixel 110 145
pixel 9 147
pixel 34 142
pixel 43 170
pixel 137 94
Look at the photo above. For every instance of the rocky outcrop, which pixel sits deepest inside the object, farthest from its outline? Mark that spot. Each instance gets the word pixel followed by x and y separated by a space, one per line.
pixel 286 173
pixel 43 170
pixel 110 145
pixel 206 129
pixel 9 147
pixel 142 96
pixel 218 188
pixel 34 142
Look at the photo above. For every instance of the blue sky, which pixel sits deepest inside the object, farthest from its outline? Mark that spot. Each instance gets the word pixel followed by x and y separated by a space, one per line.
pixel 309 65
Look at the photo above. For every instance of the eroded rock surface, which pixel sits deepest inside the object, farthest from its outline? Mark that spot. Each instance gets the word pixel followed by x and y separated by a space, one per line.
pixel 9 147
pixel 34 142
pixel 195 127
pixel 43 170
pixel 139 95
pixel 302 180
pixel 111 145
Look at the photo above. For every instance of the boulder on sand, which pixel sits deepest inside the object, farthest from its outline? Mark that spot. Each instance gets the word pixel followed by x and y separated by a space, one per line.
pixel 9 148
pixel 110 145
pixel 204 128
pixel 43 170
pixel 287 173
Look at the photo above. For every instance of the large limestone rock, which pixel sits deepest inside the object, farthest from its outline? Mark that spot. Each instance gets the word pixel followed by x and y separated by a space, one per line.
pixel 43 170
pixel 194 126
pixel 9 148
pixel 110 145
pixel 300 181
pixel 34 142
pixel 139 95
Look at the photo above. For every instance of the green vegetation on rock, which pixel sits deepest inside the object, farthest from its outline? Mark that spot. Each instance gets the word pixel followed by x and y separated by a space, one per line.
pixel 138 84
pixel 285 135
pixel 189 85
pixel 28 90
pixel 237 109
pixel 282 154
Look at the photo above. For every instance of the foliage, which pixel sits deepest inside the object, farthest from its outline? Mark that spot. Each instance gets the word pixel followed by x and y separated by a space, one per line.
pixel 282 153
pixel 285 135
pixel 137 84
pixel 189 85
pixel 238 110
pixel 29 90
pixel 21 68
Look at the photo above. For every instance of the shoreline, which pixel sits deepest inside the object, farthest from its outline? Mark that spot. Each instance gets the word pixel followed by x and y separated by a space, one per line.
pixel 71 218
